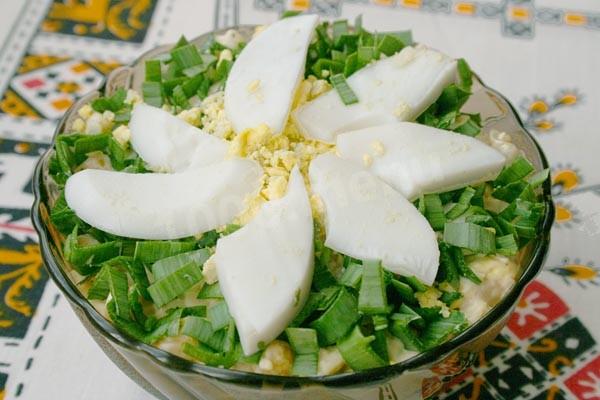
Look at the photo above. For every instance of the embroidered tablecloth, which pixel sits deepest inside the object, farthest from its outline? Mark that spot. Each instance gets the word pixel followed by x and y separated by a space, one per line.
pixel 544 55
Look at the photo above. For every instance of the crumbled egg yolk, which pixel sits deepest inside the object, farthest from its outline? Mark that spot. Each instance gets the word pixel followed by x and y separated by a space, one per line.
pixel 213 118
pixel 278 154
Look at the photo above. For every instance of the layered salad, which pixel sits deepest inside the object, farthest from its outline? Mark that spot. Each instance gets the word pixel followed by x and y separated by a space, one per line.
pixel 307 201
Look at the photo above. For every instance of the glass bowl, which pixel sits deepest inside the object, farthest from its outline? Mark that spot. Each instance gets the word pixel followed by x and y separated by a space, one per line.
pixel 168 376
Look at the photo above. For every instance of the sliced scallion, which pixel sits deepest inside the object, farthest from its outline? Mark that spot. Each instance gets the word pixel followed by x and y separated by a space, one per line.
pixel 338 319
pixel 464 201
pixel 343 89
pixel 210 292
pixel 152 92
pixel 514 172
pixel 150 251
pixel 470 236
pixel 434 211
pixel 166 266
pixel 174 284
pixel 372 297
pixel 218 315
pixel 356 350
pixel 352 275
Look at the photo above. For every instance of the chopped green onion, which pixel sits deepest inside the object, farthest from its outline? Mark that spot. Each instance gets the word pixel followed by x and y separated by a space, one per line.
pixel 305 364
pixel 63 218
pixel 450 297
pixel 434 211
pixel 344 91
pixel 218 315
pixel 153 71
pixel 439 331
pixel 210 292
pixel 507 245
pixel 311 305
pixel 379 345
pixel 186 56
pixel 118 286
pixel 82 257
pixel 538 178
pixel 111 103
pixel 338 319
pixel 175 284
pixel 201 329
pixel 351 64
pixel 470 236
pixel 91 143
pixel 372 297
pixel 208 239
pixel 303 340
pixel 196 311
pixel 99 289
pixel 166 326
pixel 209 357
pixel 152 92
pixel 136 270
pixel 415 283
pixel 330 66
pixel 461 265
pixel 322 276
pixel 406 293
pixel 179 97
pixel 510 192
pixel 65 157
pixel 463 204
pixel 166 266
pixel 126 326
pixel 365 54
pixel 389 45
pixel 465 74
pixel 340 27
pixel 448 271
pixel 306 348
pixel 356 350
pixel 400 327
pixel 153 250
pixel 352 275
pixel 516 171
pixel 290 13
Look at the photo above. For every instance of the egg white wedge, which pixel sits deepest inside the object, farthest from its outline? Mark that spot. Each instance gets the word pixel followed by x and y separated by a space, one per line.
pixel 263 80
pixel 265 268
pixel 367 219
pixel 169 144
pixel 163 206
pixel 398 88
pixel 417 159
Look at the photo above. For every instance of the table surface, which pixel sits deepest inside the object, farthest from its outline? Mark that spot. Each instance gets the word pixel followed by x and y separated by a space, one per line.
pixel 544 56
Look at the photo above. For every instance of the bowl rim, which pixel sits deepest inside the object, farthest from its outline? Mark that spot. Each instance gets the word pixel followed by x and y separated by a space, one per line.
pixel 173 362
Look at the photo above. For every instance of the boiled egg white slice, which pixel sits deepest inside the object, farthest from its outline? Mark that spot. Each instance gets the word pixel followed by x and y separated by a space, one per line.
pixel 398 88
pixel 263 80
pixel 169 144
pixel 417 159
pixel 265 268
pixel 367 219
pixel 163 206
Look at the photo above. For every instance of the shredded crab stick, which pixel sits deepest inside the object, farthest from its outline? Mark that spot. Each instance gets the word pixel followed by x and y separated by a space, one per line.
pixel 265 268
pixel 163 206
pixel 368 220
pixel 417 159
pixel 262 82
pixel 169 144
pixel 398 88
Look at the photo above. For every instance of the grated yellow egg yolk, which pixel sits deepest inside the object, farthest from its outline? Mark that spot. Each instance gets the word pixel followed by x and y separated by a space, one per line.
pixel 278 154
